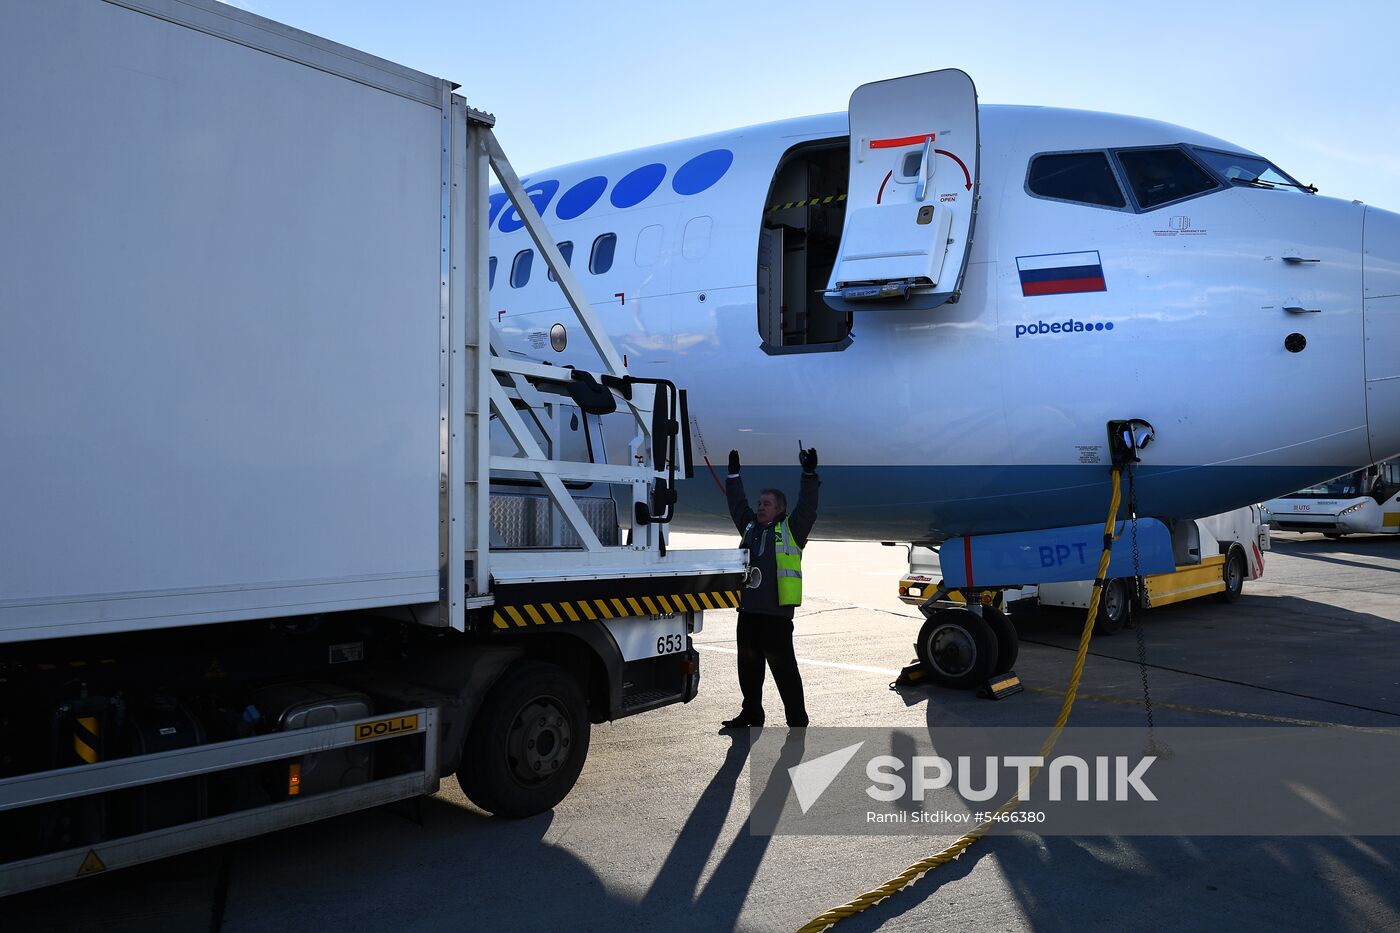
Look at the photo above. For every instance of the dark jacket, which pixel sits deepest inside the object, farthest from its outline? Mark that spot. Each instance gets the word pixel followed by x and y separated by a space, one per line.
pixel 759 541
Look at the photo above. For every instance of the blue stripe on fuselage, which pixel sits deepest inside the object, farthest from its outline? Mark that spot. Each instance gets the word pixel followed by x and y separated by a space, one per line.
pixel 918 503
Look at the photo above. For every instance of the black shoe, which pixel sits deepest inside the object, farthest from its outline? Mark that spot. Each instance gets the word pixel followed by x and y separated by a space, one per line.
pixel 797 723
pixel 742 721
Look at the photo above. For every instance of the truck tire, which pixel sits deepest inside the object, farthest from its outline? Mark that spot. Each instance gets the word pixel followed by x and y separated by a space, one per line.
pixel 957 648
pixel 1008 642
pixel 527 744
pixel 1234 573
pixel 1113 608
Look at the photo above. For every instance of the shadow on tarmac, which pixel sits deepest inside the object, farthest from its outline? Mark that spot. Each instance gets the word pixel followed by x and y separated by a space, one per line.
pixel 718 904
pixel 439 867
pixel 1113 883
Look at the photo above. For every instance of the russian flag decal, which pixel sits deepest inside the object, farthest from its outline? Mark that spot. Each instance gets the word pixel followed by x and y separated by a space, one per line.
pixel 1061 273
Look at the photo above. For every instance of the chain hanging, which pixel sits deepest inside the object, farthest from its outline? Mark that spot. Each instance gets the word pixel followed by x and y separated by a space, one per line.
pixel 1141 600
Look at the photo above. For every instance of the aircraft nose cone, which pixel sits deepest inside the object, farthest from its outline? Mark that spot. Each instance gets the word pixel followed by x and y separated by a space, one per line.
pixel 1381 308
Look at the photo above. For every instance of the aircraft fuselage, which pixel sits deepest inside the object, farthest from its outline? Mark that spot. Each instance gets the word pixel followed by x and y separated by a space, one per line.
pixel 988 413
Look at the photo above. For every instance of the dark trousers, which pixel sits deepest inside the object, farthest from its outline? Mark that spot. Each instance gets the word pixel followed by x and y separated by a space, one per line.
pixel 769 638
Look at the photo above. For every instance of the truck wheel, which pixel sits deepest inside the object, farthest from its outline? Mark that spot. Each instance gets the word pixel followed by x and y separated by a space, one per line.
pixel 957 648
pixel 1234 574
pixel 1113 608
pixel 1008 643
pixel 527 744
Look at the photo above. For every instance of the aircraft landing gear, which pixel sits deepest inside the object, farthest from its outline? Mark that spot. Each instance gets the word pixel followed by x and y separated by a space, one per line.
pixel 961 649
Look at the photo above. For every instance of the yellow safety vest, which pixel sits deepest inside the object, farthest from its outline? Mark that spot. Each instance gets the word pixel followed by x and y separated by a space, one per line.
pixel 789 557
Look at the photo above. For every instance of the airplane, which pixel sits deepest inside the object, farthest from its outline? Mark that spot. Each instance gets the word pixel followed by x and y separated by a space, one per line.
pixel 951 300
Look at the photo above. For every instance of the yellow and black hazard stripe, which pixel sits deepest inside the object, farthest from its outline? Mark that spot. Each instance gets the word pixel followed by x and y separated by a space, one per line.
pixel 614 607
pixel 809 202
pixel 87 739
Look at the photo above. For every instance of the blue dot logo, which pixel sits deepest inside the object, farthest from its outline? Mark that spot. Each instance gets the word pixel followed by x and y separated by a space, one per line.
pixel 540 194
pixel 702 171
pixel 581 197
pixel 637 185
pixel 498 201
pixel 1098 327
pixel 1108 326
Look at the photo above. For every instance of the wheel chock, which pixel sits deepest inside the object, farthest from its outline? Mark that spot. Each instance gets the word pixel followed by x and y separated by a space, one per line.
pixel 912 674
pixel 1001 686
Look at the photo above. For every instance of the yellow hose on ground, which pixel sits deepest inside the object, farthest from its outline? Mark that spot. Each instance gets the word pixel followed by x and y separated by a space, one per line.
pixel 923 866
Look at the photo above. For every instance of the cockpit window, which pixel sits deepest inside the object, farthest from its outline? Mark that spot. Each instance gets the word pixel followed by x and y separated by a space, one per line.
pixel 1082 177
pixel 1249 171
pixel 1162 176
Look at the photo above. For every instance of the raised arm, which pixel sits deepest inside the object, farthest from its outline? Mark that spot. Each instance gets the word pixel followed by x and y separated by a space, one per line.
pixel 804 513
pixel 739 508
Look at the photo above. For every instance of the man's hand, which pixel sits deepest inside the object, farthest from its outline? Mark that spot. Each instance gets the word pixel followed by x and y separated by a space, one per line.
pixel 734 463
pixel 808 459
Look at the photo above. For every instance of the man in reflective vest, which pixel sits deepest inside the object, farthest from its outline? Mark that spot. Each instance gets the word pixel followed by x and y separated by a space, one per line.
pixel 774 540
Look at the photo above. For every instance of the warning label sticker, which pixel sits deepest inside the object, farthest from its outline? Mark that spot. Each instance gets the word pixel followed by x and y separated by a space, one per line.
pixel 91 864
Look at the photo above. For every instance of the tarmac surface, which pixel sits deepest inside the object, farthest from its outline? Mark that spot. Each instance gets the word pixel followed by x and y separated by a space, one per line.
pixel 655 835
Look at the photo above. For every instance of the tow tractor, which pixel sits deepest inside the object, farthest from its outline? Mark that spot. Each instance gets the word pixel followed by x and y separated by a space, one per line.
pixel 1214 556
pixel 970 587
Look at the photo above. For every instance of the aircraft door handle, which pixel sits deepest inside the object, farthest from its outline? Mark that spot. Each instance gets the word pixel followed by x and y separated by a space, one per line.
pixel 1296 260
pixel 921 190
pixel 1294 309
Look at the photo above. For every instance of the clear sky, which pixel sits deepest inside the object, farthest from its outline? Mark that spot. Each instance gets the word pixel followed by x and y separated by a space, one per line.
pixel 1314 86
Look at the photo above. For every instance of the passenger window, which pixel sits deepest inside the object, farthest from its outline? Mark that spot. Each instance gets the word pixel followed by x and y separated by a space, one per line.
pixel 566 249
pixel 1082 177
pixel 491 272
pixel 520 269
pixel 601 259
pixel 648 246
pixel 695 242
pixel 1160 176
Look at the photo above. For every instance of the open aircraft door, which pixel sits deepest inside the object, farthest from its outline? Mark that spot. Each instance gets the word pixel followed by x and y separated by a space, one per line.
pixel 912 196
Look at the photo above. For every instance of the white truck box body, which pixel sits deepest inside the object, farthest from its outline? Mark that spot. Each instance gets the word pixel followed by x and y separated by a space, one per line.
pixel 220 320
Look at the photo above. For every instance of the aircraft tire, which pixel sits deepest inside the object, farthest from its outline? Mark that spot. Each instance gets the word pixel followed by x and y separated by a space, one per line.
pixel 957 648
pixel 1008 642
pixel 1234 574
pixel 526 745
pixel 1113 608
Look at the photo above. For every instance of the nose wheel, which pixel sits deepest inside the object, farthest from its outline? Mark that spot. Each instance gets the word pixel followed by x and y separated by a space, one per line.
pixel 957 648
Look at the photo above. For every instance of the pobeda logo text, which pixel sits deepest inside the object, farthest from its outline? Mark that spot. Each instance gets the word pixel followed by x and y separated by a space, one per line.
pixel 1061 327
pixel 1111 777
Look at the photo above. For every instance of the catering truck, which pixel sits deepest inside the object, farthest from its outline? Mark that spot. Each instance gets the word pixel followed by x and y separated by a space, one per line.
pixel 283 534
